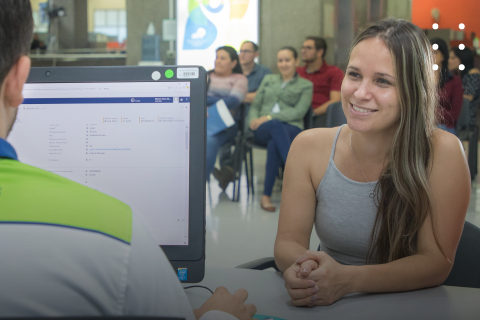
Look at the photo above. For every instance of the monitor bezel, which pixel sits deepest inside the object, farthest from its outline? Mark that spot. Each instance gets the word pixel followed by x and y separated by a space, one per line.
pixel 195 250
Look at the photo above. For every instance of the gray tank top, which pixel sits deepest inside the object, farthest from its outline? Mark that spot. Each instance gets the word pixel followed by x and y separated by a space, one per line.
pixel 345 215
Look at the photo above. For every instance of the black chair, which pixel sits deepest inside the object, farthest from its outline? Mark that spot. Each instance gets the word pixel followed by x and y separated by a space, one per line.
pixel 245 148
pixel 239 154
pixel 466 268
pixel 262 263
pixel 241 110
pixel 335 115
pixel 465 271
pixel 308 120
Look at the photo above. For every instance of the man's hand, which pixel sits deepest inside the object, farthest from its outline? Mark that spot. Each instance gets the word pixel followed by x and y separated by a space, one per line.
pixel 330 277
pixel 234 304
pixel 335 96
pixel 249 97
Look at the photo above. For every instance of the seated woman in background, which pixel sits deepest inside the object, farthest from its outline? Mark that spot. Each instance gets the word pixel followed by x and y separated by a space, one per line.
pixel 470 77
pixel 276 115
pixel 388 192
pixel 450 88
pixel 225 82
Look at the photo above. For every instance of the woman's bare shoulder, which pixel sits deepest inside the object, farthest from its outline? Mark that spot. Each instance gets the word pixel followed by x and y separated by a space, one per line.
pixel 313 146
pixel 318 138
pixel 448 151
pixel 445 142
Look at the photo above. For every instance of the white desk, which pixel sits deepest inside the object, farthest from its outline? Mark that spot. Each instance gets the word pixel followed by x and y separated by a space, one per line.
pixel 266 290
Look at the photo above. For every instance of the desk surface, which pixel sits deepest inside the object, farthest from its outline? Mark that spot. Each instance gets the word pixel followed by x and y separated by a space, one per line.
pixel 266 290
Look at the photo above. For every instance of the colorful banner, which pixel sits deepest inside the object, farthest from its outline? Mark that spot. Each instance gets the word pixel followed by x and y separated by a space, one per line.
pixel 205 25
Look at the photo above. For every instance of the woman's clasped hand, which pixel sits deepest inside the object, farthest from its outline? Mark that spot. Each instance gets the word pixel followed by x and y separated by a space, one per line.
pixel 316 279
pixel 257 122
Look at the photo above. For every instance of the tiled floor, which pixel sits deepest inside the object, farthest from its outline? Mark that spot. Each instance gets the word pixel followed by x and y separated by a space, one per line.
pixel 238 232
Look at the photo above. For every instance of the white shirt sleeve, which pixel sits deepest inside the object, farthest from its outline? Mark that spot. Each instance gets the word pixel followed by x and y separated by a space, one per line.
pixel 153 288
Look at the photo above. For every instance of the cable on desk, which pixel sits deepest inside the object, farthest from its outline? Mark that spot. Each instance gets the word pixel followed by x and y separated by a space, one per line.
pixel 199 287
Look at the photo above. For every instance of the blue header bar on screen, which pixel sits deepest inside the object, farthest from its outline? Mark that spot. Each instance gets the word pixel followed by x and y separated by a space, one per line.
pixel 99 100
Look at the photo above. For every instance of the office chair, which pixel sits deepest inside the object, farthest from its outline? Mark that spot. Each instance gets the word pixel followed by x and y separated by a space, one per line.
pixel 245 155
pixel 239 154
pixel 335 115
pixel 466 267
pixel 262 263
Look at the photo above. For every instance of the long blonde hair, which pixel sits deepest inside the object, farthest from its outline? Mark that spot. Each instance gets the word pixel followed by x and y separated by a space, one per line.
pixel 403 192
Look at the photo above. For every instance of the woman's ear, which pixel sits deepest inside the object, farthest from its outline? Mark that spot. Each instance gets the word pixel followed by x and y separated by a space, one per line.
pixel 235 62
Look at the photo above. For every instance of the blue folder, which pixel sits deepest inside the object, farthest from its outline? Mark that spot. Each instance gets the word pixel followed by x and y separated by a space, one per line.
pixel 219 118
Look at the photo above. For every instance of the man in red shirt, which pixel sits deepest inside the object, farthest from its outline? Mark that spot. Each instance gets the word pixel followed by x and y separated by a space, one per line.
pixel 327 80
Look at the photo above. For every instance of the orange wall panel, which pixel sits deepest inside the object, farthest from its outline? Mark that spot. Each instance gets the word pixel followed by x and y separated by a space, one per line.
pixel 452 13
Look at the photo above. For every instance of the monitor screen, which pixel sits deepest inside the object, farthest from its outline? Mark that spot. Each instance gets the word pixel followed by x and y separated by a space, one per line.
pixel 129 140
pixel 134 133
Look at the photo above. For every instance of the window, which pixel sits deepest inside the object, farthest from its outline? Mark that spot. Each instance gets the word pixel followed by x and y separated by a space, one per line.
pixel 112 23
pixel 40 18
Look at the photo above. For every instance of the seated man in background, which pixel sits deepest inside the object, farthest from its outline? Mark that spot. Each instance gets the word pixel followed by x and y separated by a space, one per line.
pixel 254 73
pixel 326 79
pixel 69 250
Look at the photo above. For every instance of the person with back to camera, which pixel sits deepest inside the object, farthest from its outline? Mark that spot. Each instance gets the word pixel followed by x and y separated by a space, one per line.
pixel 70 250
pixel 387 192
pixel 449 86
pixel 470 77
pixel 226 81
pixel 276 115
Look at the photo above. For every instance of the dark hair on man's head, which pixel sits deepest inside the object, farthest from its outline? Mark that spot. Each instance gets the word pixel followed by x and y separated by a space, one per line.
pixel 466 57
pixel 443 48
pixel 254 45
pixel 319 44
pixel 233 56
pixel 16 29
pixel 291 49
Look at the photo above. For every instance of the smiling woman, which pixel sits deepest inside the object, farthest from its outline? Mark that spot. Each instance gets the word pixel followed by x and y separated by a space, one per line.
pixel 276 115
pixel 387 193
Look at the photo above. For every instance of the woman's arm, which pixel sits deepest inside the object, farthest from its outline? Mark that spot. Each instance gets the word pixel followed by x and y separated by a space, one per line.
pixel 237 93
pixel 297 210
pixel 300 108
pixel 211 100
pixel 256 105
pixel 450 188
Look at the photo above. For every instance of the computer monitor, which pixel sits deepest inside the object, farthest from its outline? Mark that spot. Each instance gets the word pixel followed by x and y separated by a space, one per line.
pixel 134 133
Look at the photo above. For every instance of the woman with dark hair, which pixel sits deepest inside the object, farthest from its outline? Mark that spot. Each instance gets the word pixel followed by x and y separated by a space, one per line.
pixel 470 77
pixel 276 115
pixel 387 192
pixel 449 88
pixel 226 82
